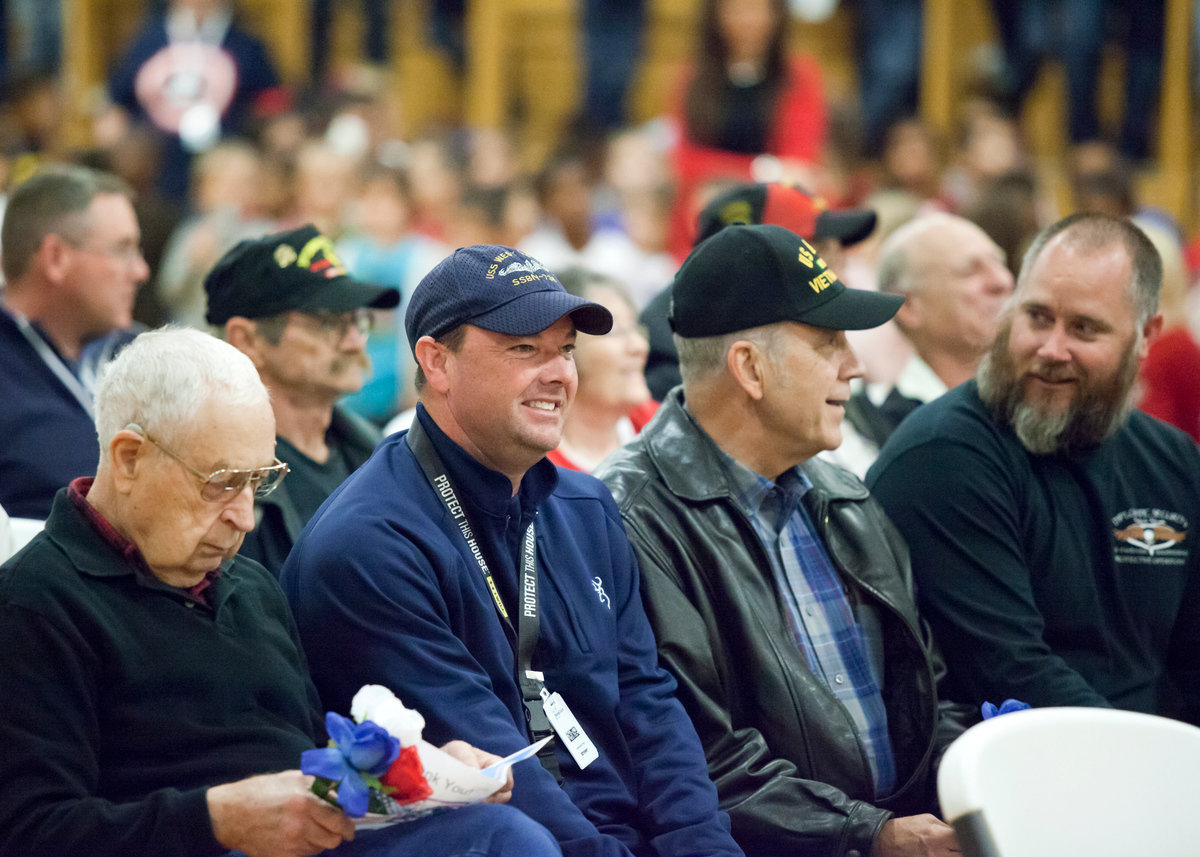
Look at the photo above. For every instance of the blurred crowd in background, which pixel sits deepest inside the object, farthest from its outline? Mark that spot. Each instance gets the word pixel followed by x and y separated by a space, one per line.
pixel 197 118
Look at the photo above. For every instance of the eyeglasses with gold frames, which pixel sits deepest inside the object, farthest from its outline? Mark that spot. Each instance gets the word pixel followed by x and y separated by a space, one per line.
pixel 333 326
pixel 225 484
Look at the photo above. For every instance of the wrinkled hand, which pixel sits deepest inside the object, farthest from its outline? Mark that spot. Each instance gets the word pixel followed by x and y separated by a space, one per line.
pixel 915 836
pixel 480 759
pixel 276 815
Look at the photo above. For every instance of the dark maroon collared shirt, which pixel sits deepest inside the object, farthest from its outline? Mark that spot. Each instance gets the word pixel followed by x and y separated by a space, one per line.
pixel 77 493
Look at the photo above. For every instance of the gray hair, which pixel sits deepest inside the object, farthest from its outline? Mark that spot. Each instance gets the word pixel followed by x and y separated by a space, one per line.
pixel 54 201
pixel 703 357
pixel 1092 231
pixel 895 275
pixel 897 269
pixel 162 379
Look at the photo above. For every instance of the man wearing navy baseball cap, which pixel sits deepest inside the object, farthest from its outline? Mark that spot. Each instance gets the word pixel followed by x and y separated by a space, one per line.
pixel 496 593
pixel 287 303
pixel 779 593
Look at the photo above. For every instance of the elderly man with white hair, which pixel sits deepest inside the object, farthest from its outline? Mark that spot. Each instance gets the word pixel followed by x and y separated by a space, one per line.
pixel 155 697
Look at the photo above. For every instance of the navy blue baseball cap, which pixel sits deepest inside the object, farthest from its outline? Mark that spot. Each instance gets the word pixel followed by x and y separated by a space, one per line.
pixel 498 289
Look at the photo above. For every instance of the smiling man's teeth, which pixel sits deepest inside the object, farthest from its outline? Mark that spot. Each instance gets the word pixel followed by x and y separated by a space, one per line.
pixel 545 406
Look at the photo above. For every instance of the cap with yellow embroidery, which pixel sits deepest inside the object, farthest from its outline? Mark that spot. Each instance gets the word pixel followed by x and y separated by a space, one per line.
pixel 288 271
pixel 748 276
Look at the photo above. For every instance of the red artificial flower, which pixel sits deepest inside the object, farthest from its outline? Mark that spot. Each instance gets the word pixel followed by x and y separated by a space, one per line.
pixel 407 777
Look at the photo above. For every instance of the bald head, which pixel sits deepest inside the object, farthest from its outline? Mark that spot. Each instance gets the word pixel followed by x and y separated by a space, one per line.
pixel 955 280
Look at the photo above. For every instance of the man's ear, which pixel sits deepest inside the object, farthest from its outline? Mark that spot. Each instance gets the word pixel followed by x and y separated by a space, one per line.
pixel 434 359
pixel 1150 332
pixel 125 455
pixel 748 367
pixel 908 316
pixel 242 334
pixel 54 255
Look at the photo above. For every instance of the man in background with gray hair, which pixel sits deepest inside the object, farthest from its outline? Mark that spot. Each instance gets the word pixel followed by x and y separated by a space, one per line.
pixel 155 698
pixel 72 261
pixel 1048 523
pixel 285 301
pixel 955 282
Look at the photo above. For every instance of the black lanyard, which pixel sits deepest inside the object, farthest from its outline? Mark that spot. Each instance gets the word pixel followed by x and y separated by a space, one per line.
pixel 525 635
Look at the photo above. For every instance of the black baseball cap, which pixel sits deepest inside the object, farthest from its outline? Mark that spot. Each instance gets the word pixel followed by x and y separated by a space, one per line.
pixel 288 271
pixel 748 276
pixel 499 289
pixel 784 205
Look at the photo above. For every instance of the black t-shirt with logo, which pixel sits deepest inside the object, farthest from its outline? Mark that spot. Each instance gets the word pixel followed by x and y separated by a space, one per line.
pixel 1051 579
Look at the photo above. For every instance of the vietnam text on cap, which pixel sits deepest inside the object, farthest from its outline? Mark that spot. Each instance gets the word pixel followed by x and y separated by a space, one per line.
pixel 749 276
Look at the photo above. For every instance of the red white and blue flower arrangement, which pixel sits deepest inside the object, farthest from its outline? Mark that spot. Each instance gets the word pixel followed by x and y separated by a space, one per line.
pixel 380 771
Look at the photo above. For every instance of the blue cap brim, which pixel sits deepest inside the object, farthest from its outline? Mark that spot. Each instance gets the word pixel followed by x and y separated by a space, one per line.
pixel 531 313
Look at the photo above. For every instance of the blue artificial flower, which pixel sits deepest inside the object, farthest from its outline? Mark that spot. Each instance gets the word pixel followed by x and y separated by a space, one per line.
pixel 362 748
pixel 989 709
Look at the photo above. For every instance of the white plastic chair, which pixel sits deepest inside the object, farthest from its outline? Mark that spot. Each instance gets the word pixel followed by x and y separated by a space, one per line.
pixel 23 529
pixel 1055 782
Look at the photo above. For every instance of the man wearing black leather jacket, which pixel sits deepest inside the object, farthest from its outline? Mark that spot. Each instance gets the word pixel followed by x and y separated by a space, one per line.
pixel 779 592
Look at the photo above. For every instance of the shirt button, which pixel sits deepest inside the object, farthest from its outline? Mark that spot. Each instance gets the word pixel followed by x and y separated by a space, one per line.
pixel 808 611
pixel 839 679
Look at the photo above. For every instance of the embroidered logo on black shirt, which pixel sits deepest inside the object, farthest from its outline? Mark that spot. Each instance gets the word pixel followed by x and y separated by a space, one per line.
pixel 1153 536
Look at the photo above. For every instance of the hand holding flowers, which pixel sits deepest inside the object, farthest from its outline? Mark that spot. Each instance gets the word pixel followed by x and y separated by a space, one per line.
pixel 378 763
pixel 365 755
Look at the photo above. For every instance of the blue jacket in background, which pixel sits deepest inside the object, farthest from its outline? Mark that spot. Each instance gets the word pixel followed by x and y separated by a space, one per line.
pixel 48 438
pixel 385 591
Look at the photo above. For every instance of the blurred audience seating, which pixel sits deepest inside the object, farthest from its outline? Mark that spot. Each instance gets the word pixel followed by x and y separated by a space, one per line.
pixel 524 65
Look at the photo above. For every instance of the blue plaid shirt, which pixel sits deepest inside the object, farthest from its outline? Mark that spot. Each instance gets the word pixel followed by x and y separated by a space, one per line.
pixel 843 649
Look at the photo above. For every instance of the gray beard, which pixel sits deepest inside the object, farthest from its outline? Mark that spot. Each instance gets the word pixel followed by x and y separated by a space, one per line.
pixel 1098 410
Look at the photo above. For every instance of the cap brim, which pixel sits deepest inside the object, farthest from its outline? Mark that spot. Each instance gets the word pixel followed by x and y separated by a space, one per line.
pixel 848 226
pixel 531 313
pixel 344 294
pixel 854 309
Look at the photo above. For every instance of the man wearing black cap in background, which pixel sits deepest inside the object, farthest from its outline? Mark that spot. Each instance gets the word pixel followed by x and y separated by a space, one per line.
pixel 286 302
pixel 779 593
pixel 778 203
pixel 496 593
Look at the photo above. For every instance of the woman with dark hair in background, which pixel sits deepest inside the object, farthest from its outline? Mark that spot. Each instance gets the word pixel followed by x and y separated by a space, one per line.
pixel 744 97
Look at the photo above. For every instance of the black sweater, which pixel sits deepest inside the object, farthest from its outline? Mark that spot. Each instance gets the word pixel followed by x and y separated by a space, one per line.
pixel 122 700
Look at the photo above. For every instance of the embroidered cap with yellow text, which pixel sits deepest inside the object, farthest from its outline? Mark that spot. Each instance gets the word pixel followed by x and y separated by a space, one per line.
pixel 749 276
